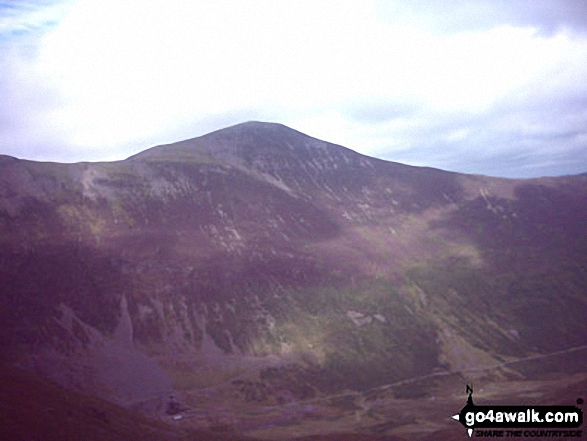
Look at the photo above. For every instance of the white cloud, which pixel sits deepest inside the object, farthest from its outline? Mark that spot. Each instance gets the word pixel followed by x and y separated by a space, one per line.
pixel 22 16
pixel 130 74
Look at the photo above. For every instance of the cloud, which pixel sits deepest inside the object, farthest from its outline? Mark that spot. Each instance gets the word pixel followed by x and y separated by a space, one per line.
pixel 513 139
pixel 455 16
pixel 21 17
pixel 25 101
pixel 23 106
pixel 449 84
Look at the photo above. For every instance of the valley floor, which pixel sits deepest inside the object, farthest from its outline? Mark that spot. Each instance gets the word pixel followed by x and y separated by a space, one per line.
pixel 417 408
pixel 413 409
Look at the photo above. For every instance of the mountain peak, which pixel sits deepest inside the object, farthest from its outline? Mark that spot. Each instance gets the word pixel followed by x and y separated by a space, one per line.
pixel 257 129
pixel 250 142
pixel 258 125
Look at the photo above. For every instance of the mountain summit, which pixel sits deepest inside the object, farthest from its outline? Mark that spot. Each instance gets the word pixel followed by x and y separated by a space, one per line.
pixel 283 267
pixel 252 144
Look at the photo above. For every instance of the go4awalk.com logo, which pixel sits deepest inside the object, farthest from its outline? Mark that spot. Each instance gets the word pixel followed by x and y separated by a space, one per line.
pixel 520 421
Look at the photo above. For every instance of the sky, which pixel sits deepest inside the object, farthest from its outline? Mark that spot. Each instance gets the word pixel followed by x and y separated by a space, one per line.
pixel 494 87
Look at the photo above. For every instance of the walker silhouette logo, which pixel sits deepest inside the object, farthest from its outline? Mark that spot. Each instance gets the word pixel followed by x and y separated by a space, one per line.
pixel 518 421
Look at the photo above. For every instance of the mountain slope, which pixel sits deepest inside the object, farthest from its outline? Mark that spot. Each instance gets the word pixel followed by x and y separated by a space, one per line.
pixel 32 408
pixel 311 268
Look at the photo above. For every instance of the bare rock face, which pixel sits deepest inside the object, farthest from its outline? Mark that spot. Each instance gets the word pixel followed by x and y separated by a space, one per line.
pixel 258 247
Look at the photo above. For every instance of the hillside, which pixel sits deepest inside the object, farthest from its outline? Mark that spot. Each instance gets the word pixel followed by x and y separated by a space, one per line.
pixel 276 266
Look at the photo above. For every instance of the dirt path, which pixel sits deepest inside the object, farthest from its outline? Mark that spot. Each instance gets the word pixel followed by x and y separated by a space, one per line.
pixel 448 373
pixel 301 404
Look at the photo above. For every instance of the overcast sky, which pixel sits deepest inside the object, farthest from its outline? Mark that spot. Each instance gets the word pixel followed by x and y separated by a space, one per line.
pixel 496 87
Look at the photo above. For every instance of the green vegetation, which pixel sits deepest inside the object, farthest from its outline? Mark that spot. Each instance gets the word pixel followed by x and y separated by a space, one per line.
pixel 364 355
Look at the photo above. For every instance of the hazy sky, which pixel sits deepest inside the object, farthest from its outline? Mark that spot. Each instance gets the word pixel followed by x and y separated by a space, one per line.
pixel 497 87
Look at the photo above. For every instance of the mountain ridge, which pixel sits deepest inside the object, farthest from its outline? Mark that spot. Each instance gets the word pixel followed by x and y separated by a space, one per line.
pixel 295 266
pixel 250 130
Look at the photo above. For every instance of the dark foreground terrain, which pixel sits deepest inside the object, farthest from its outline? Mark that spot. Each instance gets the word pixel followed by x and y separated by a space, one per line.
pixel 35 409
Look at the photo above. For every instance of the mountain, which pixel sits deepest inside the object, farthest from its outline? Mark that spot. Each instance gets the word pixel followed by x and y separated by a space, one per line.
pixel 270 266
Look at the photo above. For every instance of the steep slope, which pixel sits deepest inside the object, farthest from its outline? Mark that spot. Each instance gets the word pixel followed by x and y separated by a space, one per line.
pixel 259 251
pixel 32 408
